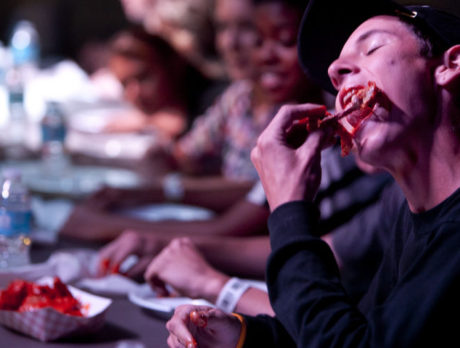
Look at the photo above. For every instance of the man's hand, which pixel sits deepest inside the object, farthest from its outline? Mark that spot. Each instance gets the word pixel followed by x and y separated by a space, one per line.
pixel 203 327
pixel 182 266
pixel 145 246
pixel 89 224
pixel 288 173
pixel 106 198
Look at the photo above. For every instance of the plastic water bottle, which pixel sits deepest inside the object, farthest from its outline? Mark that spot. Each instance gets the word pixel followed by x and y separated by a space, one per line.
pixel 4 66
pixel 18 119
pixel 15 220
pixel 24 51
pixel 54 129
pixel 24 44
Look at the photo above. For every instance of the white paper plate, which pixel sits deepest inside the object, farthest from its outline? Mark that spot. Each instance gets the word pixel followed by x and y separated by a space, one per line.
pixel 123 146
pixel 73 180
pixel 83 180
pixel 110 285
pixel 87 135
pixel 47 324
pixel 94 120
pixel 168 211
pixel 146 298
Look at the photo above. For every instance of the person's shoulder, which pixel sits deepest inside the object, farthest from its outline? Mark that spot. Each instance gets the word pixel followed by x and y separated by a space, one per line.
pixel 237 89
pixel 235 101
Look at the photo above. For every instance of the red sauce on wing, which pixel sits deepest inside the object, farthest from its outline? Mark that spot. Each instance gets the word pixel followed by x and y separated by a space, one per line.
pixel 360 101
pixel 199 319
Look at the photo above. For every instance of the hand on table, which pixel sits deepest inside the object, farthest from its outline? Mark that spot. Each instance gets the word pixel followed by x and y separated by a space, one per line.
pixel 289 173
pixel 106 198
pixel 145 246
pixel 181 265
pixel 203 327
pixel 89 224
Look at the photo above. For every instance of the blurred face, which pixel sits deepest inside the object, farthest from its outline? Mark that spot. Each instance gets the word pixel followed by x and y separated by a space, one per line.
pixel 386 51
pixel 275 54
pixel 145 82
pixel 235 36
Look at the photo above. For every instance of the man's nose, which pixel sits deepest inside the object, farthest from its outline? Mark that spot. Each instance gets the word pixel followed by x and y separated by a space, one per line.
pixel 340 69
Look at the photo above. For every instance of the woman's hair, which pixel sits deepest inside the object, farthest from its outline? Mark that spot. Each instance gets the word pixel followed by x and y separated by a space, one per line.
pixel 188 26
pixel 136 43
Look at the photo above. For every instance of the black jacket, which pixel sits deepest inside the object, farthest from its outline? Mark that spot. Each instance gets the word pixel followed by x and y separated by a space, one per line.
pixel 410 303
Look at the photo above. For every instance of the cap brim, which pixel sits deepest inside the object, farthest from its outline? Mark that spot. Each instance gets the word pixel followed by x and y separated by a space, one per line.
pixel 326 26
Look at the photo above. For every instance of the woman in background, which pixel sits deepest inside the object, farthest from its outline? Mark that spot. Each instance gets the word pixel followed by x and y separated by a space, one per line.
pixel 157 81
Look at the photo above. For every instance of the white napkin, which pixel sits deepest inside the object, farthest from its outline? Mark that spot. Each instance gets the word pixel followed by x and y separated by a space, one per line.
pixel 79 266
pixel 69 266
pixel 113 284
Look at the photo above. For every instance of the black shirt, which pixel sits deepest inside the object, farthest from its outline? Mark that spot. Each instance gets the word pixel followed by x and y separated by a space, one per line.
pixel 412 301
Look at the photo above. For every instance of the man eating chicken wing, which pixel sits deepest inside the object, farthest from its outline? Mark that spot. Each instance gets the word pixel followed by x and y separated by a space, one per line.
pixel 412 55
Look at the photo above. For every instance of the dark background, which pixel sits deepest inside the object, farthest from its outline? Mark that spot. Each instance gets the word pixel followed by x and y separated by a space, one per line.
pixel 66 25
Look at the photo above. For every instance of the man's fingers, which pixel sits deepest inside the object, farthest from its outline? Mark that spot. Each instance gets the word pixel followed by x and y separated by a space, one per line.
pixel 154 267
pixel 283 128
pixel 288 113
pixel 139 268
pixel 158 286
pixel 105 258
pixel 110 260
pixel 199 319
pixel 151 275
pixel 102 199
pixel 173 342
pixel 120 249
pixel 296 135
pixel 208 317
pixel 312 146
pixel 204 323
pixel 178 325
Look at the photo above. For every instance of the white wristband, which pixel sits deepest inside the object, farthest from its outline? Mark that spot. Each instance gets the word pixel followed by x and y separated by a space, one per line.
pixel 231 294
pixel 173 188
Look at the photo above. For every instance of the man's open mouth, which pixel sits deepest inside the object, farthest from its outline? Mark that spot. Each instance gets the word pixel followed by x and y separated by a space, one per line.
pixel 359 103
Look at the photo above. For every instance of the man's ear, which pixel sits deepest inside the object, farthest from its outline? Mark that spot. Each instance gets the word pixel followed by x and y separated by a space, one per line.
pixel 449 72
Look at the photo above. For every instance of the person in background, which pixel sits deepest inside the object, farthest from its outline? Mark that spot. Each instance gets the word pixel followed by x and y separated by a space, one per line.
pixel 135 10
pixel 339 201
pixel 228 132
pixel 186 24
pixel 152 74
pixel 209 268
pixel 225 133
pixel 412 54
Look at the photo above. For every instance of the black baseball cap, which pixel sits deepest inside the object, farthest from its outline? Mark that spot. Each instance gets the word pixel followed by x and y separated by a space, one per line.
pixel 327 24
